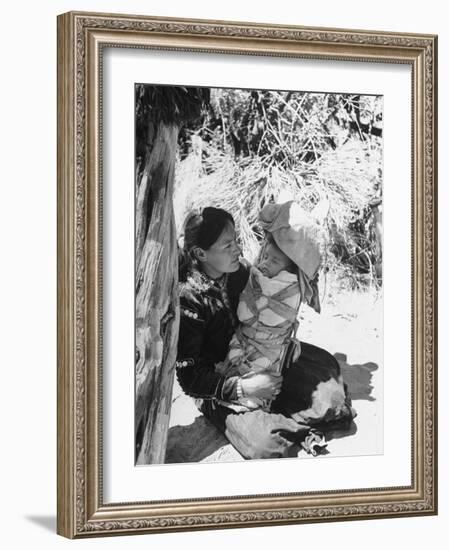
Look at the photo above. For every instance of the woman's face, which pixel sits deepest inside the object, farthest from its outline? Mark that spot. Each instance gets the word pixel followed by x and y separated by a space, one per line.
pixel 223 256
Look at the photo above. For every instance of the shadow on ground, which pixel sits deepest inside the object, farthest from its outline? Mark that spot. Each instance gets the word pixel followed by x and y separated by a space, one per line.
pixel 357 377
pixel 338 432
pixel 199 441
pixel 46 522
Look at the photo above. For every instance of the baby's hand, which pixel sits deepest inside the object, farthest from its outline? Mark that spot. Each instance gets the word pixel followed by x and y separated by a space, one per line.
pixel 223 367
pixel 262 385
pixel 243 368
pixel 229 367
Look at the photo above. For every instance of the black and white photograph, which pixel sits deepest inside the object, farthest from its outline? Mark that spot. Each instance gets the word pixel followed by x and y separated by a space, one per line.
pixel 258 274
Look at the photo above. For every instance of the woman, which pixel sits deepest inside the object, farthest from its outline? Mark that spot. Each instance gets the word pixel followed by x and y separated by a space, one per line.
pixel 211 279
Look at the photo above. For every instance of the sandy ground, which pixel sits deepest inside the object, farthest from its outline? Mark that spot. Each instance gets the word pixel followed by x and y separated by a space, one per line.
pixel 349 327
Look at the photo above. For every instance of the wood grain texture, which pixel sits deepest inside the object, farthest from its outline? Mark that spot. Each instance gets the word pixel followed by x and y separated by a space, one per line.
pixel 65 280
pixel 157 310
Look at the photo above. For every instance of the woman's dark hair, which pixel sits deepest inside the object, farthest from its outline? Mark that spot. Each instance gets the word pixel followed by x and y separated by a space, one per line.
pixel 201 229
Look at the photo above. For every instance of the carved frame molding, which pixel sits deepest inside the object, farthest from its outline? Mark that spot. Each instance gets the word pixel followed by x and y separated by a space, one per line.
pixel 81 37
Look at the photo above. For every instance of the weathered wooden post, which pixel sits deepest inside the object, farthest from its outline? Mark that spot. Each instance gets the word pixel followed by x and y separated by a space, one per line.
pixel 157 309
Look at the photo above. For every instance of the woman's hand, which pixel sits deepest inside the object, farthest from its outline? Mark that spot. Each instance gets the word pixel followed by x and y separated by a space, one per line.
pixel 262 385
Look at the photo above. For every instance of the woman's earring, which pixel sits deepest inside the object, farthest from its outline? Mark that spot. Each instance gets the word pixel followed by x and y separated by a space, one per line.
pixel 197 253
pixel 192 257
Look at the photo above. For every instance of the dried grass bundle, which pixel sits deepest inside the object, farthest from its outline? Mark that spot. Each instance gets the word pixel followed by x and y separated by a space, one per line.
pixel 348 176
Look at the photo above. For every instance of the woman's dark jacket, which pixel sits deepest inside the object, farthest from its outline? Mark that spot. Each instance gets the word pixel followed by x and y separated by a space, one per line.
pixel 208 321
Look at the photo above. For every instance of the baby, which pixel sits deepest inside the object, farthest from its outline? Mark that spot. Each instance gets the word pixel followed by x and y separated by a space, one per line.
pixel 269 304
pixel 267 312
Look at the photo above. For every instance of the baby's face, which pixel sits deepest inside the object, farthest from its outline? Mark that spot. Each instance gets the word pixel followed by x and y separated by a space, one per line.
pixel 273 261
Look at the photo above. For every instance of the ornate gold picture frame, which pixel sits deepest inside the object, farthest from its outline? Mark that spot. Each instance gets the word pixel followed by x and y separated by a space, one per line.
pixel 82 509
